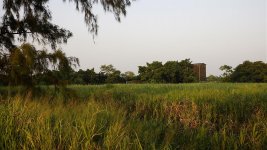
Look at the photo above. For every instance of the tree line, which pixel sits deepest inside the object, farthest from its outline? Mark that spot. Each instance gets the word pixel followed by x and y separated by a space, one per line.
pixel 171 72
pixel 155 72
pixel 27 66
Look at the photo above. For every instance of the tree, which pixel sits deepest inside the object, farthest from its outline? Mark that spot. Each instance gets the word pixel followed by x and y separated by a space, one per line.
pixel 172 72
pixel 3 68
pixel 187 73
pixel 107 69
pixel 226 76
pixel 63 66
pixel 115 77
pixel 23 64
pixel 22 18
pixel 84 77
pixel 101 78
pixel 250 72
pixel 153 72
pixel 142 70
pixel 90 76
pixel 112 74
pixel 128 76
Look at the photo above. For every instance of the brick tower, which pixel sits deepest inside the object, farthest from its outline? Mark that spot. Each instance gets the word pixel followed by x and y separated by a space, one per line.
pixel 200 71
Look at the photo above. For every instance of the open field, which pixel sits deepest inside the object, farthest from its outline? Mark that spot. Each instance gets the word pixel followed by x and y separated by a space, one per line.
pixel 149 116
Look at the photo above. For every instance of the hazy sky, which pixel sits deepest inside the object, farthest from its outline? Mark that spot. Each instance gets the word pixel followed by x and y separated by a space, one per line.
pixel 214 32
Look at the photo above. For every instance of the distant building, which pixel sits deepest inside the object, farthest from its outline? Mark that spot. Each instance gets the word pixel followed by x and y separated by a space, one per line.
pixel 200 71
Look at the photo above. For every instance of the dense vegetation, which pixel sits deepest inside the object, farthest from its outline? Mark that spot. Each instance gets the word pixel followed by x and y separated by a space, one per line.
pixel 184 116
pixel 245 72
pixel 155 72
pixel 250 72
pixel 170 72
pixel 25 65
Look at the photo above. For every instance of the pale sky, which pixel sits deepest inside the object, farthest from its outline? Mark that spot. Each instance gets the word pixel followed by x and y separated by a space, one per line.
pixel 215 32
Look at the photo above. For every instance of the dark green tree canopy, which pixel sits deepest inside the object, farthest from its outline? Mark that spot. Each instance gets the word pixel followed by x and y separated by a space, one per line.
pixel 250 72
pixel 246 72
pixel 23 18
pixel 170 72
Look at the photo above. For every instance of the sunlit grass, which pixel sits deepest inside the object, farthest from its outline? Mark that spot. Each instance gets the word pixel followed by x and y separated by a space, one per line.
pixel 151 116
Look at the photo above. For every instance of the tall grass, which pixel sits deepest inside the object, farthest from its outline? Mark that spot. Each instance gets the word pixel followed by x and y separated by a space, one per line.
pixel 153 116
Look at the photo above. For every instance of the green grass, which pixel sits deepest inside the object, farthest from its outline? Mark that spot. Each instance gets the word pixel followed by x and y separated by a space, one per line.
pixel 145 116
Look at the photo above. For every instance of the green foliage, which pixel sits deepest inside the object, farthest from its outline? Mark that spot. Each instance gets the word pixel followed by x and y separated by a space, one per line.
pixel 153 72
pixel 226 76
pixel 250 72
pixel 112 74
pixel 170 72
pixel 245 72
pixel 128 76
pixel 21 18
pixel 24 65
pixel 147 116
pixel 85 77
pixel 108 69
pixel 188 75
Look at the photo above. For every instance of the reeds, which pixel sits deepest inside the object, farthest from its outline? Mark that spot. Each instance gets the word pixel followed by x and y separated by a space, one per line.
pixel 185 116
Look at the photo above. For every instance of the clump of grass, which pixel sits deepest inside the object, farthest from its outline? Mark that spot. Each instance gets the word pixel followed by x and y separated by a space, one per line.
pixel 186 112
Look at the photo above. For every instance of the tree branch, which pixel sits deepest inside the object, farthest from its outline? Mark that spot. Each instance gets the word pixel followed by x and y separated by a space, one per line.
pixel 2 33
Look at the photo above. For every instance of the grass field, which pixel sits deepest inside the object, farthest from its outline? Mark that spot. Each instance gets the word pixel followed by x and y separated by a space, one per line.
pixel 149 116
